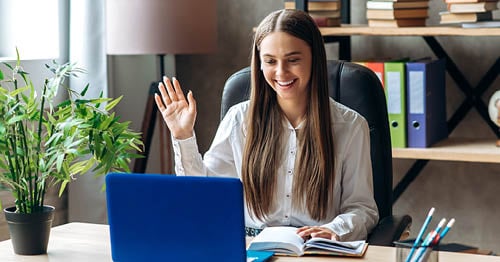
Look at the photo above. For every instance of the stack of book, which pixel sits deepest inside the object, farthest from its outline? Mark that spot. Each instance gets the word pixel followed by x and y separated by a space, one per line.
pixel 396 13
pixel 468 11
pixel 324 13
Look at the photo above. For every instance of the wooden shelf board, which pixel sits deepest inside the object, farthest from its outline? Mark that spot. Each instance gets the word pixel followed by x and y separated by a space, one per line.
pixel 348 30
pixel 454 149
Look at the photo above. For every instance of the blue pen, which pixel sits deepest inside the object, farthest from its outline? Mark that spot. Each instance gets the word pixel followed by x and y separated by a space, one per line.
pixel 440 225
pixel 420 234
pixel 446 229
pixel 431 239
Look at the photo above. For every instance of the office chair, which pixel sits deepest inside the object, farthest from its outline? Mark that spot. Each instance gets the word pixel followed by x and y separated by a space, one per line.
pixel 358 88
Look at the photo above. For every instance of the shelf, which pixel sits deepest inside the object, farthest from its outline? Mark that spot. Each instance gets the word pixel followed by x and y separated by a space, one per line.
pixel 349 30
pixel 454 149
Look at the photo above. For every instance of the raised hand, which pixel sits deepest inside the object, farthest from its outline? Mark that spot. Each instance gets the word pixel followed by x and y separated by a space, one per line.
pixel 178 113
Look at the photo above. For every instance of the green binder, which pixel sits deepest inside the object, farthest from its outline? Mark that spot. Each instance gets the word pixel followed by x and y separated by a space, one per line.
pixel 395 92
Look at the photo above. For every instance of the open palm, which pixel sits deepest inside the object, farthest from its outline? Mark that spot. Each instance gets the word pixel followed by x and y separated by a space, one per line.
pixel 178 113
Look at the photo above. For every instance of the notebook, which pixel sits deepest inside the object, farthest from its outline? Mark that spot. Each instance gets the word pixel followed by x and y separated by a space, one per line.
pixel 175 218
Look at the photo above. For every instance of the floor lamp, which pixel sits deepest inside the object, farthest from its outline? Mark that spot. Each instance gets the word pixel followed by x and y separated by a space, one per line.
pixel 159 27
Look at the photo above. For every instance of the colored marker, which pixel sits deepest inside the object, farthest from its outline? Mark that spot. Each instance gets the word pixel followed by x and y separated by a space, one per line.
pixel 431 239
pixel 420 234
pixel 446 229
pixel 440 225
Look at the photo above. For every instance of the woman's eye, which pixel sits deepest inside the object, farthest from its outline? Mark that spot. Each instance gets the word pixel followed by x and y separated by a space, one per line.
pixel 294 60
pixel 270 62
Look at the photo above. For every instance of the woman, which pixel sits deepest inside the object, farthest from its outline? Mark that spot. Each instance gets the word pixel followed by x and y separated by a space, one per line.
pixel 302 157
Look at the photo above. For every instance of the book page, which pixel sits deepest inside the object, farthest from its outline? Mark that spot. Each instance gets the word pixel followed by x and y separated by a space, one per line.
pixel 281 240
pixel 350 247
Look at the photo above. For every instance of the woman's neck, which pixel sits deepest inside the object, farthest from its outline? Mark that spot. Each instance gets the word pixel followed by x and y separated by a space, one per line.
pixel 294 112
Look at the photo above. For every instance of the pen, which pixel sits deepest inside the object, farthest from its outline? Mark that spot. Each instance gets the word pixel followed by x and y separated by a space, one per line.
pixel 420 234
pixel 440 225
pixel 431 239
pixel 447 228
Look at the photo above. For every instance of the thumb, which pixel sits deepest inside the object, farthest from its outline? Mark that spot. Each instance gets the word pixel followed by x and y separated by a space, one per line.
pixel 191 102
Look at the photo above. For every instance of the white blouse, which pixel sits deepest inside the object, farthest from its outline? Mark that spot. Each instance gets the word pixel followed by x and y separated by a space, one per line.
pixel 355 212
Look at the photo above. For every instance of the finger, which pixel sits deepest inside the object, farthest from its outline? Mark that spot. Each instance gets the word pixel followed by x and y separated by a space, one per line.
pixel 321 234
pixel 302 229
pixel 164 94
pixel 306 232
pixel 170 89
pixel 178 89
pixel 159 103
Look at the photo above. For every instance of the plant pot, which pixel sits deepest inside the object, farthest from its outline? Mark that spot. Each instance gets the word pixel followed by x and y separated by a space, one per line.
pixel 29 233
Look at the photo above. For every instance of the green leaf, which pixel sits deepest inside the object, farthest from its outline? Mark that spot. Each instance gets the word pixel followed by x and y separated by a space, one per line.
pixel 84 91
pixel 19 90
pixel 113 103
pixel 1 75
pixel 18 62
pixel 63 186
pixel 60 159
pixel 8 65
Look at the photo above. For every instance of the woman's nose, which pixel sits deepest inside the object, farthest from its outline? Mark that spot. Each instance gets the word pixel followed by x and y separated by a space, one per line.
pixel 281 68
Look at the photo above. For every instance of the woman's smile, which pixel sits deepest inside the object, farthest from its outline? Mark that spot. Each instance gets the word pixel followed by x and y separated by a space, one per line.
pixel 285 84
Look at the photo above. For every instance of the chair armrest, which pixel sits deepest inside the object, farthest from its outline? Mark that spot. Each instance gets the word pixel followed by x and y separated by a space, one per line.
pixel 390 229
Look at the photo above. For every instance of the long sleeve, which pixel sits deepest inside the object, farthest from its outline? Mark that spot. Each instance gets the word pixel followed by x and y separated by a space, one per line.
pixel 358 212
pixel 224 155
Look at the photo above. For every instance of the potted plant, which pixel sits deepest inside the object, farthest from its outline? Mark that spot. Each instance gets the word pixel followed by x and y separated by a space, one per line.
pixel 44 143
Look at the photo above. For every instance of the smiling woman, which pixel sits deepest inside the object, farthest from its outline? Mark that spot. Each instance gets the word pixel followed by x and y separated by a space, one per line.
pixel 30 25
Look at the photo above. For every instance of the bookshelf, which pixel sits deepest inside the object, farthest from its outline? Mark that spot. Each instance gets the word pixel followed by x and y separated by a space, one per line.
pixel 452 149
pixel 468 150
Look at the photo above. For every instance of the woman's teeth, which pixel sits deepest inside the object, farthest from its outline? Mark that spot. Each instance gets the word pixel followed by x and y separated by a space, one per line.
pixel 281 83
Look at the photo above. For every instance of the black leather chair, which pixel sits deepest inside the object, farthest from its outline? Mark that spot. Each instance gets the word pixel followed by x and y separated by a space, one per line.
pixel 358 88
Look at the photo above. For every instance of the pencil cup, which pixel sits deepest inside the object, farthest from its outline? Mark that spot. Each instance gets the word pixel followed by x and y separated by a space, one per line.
pixel 421 254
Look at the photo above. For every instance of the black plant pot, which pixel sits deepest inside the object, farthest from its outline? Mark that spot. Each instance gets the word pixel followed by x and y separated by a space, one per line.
pixel 29 233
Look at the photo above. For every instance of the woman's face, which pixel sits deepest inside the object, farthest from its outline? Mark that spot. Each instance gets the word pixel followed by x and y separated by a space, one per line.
pixel 286 64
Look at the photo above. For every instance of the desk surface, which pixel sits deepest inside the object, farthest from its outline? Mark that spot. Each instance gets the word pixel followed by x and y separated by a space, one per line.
pixel 90 242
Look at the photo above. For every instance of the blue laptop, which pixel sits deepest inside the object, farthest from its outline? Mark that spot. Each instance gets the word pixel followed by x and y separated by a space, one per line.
pixel 175 218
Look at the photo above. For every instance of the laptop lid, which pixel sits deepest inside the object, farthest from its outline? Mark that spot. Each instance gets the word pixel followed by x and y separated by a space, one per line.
pixel 175 218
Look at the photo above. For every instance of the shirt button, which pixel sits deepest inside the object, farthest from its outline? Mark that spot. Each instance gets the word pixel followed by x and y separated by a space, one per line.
pixel 292 152
pixel 289 172
pixel 286 217
pixel 287 195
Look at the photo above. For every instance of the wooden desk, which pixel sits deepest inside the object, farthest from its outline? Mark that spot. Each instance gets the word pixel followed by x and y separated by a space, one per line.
pixel 90 242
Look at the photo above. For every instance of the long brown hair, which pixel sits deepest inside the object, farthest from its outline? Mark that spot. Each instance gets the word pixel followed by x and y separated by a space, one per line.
pixel 262 155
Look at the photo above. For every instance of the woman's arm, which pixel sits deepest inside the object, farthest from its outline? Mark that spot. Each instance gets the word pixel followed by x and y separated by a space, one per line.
pixel 358 210
pixel 222 157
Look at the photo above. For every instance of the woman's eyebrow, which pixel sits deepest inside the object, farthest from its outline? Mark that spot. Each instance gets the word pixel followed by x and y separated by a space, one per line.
pixel 287 54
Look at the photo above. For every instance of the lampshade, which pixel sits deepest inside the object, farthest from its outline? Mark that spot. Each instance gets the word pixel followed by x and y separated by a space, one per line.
pixel 137 27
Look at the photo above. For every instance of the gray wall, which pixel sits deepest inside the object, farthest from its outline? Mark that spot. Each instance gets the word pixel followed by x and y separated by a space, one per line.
pixel 466 191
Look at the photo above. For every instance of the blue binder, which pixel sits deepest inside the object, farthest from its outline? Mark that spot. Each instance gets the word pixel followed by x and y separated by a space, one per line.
pixel 426 102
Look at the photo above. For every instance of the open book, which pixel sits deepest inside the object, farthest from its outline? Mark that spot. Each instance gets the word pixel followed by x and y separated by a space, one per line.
pixel 284 240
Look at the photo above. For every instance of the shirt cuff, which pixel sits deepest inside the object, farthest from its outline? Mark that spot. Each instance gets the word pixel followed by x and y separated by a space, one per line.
pixel 340 228
pixel 184 152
